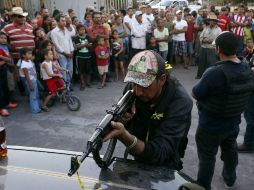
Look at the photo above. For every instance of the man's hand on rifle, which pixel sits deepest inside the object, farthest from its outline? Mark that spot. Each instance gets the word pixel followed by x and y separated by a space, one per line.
pixel 128 116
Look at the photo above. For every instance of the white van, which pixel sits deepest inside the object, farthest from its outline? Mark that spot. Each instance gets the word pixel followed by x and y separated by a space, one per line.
pixel 164 4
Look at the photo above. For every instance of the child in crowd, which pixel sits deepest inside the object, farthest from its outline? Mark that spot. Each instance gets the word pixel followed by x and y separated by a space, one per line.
pixel 28 75
pixel 50 78
pixel 117 53
pixel 249 50
pixel 83 56
pixel 189 36
pixel 153 44
pixel 102 55
pixel 10 67
pixel 4 91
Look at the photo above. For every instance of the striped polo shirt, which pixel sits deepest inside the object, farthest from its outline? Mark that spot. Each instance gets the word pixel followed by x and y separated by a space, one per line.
pixel 239 30
pixel 19 37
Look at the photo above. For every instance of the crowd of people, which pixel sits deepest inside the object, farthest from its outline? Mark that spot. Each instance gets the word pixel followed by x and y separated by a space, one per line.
pixel 53 49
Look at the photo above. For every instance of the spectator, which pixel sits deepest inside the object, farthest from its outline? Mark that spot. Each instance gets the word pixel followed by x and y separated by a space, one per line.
pixel 2 22
pixel 161 34
pixel 154 22
pixel 190 37
pixel 50 78
pixel 62 40
pixel 46 23
pixel 104 20
pixel 207 53
pixel 20 34
pixel 44 12
pixel 83 56
pixel 179 42
pixel 138 34
pixel 249 50
pixel 121 29
pixel 128 19
pixel 75 21
pixel 4 64
pixel 147 18
pixel 152 45
pixel 33 23
pixel 224 20
pixel 247 28
pixel 170 26
pixel 117 50
pixel 162 14
pixel 88 21
pixel 122 13
pixel 69 26
pixel 186 12
pixel 71 13
pixel 102 55
pixel 102 10
pixel 28 74
pixel 238 23
pixel 39 36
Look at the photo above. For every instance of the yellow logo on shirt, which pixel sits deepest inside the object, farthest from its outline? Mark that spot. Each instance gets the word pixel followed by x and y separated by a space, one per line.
pixel 157 116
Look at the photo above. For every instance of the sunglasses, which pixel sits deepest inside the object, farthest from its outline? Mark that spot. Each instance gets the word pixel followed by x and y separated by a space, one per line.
pixel 20 16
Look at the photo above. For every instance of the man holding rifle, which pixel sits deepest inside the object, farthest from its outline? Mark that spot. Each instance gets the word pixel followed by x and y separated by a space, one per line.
pixel 160 117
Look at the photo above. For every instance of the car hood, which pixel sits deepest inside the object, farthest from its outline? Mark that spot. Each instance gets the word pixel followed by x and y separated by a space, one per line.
pixel 44 169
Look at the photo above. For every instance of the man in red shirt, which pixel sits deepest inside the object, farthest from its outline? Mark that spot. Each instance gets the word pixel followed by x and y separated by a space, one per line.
pixel 20 34
pixel 189 37
pixel 224 20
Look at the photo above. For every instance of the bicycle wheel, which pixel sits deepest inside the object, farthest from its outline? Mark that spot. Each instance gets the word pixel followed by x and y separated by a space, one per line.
pixel 73 103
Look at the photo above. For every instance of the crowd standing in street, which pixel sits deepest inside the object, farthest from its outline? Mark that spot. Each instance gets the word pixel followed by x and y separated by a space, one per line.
pixel 50 48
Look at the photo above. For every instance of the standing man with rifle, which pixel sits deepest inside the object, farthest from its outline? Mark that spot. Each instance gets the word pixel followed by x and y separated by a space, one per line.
pixel 161 114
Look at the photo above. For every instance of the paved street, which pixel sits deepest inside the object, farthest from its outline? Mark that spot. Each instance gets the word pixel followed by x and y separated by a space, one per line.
pixel 63 129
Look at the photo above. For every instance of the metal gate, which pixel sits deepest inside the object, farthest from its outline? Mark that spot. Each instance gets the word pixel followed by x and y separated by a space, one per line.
pixel 117 4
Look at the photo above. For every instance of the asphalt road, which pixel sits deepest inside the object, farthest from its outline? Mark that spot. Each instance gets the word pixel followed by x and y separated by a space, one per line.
pixel 63 129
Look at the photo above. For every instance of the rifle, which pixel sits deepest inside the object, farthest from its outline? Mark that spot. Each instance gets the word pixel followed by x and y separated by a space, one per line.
pixel 94 144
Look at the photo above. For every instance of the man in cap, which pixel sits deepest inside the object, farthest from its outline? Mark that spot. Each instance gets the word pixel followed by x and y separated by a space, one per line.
pixel 138 34
pixel 20 34
pixel 207 53
pixel 161 114
pixel 222 95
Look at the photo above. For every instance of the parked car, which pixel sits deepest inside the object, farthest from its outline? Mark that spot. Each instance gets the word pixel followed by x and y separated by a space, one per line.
pixel 45 169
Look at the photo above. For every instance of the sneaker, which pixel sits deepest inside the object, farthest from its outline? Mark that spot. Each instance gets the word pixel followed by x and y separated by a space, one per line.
pixel 4 112
pixel 45 108
pixel 11 105
pixel 245 149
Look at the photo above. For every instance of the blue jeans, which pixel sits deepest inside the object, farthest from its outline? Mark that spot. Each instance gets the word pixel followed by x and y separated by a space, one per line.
pixel 34 99
pixel 164 54
pixel 67 64
pixel 249 117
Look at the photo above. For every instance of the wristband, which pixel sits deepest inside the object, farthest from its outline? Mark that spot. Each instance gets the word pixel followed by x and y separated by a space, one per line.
pixel 134 143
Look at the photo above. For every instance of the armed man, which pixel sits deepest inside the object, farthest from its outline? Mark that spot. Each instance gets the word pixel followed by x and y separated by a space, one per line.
pixel 222 95
pixel 160 117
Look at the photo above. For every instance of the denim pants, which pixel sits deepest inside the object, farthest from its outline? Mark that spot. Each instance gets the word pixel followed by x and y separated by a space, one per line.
pixel 34 99
pixel 249 117
pixel 67 64
pixel 207 147
pixel 164 54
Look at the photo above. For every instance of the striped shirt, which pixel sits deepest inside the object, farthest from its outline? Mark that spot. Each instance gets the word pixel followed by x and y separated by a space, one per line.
pixel 19 37
pixel 239 30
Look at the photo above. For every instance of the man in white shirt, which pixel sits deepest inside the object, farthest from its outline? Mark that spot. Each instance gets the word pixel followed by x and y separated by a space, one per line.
pixel 138 34
pixel 148 18
pixel 179 43
pixel 62 40
pixel 128 19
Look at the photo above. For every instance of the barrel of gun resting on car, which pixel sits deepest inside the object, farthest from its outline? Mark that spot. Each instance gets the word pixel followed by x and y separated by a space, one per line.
pixel 95 143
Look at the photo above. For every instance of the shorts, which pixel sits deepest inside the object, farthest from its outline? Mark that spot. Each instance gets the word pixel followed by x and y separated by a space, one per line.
pixel 119 58
pixel 189 46
pixel 53 85
pixel 102 69
pixel 84 65
pixel 179 48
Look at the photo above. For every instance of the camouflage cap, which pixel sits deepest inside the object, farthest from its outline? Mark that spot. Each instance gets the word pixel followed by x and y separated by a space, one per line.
pixel 144 68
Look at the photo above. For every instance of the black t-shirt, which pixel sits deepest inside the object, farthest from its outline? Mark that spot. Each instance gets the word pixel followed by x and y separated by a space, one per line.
pixel 83 52
pixel 154 48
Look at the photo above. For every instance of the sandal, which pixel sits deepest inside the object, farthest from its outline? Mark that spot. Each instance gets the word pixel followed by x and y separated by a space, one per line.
pixel 4 112
pixel 11 105
pixel 45 108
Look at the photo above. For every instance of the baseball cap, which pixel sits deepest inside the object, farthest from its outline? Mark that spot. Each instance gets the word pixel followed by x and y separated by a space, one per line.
pixel 179 11
pixel 138 13
pixel 144 67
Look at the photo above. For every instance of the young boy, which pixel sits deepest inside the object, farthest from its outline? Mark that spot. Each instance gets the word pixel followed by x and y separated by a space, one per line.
pixel 83 56
pixel 102 55
pixel 249 50
pixel 189 36
pixel 49 77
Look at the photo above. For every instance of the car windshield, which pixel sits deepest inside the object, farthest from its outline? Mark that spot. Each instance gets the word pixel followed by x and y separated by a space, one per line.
pixel 170 3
